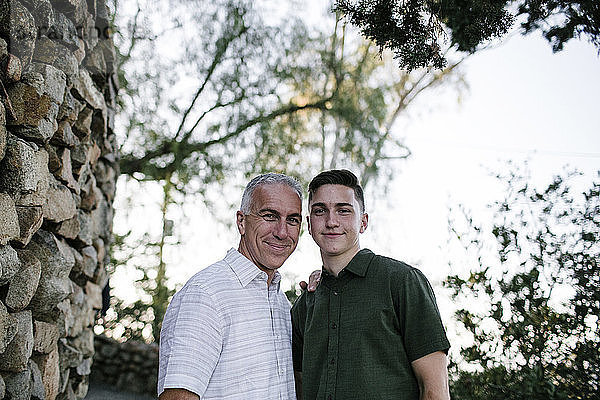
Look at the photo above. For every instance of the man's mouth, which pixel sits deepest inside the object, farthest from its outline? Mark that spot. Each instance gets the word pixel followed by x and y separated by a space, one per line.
pixel 277 246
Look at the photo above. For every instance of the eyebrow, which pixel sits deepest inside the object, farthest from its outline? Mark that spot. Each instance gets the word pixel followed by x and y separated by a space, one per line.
pixel 336 205
pixel 270 210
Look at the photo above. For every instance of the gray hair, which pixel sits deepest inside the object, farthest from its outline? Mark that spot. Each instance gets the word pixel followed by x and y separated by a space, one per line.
pixel 269 178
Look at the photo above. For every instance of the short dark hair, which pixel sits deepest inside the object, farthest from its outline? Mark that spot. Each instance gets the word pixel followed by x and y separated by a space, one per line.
pixel 338 177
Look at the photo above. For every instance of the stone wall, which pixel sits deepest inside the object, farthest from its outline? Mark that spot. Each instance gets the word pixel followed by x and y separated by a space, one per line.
pixel 130 366
pixel 58 168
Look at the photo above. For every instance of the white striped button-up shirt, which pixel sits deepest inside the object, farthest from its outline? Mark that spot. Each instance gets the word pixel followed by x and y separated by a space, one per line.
pixel 226 335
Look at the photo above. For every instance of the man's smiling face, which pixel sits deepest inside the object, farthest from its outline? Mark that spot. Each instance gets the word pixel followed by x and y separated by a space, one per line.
pixel 336 220
pixel 269 233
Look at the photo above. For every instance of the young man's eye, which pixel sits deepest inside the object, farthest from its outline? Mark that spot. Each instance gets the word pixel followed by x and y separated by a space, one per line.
pixel 344 211
pixel 294 221
pixel 318 211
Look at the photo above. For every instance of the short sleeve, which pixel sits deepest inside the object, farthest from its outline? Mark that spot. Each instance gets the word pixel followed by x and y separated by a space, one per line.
pixel 190 342
pixel 424 331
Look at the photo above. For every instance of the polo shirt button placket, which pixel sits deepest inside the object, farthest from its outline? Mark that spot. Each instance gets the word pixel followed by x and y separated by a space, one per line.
pixel 333 345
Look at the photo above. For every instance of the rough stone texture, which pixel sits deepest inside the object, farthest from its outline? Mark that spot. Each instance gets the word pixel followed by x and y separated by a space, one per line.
pixel 18 385
pixel 68 229
pixel 58 170
pixel 85 265
pixel 64 135
pixel 51 52
pixel 3 132
pixel 17 24
pixel 57 260
pixel 131 365
pixel 48 80
pixel 94 294
pixel 34 112
pixel 8 328
pixel 30 220
pixel 50 371
pixel 60 204
pixel 9 220
pixel 19 350
pixel 24 284
pixel 45 337
pixel 64 173
pixel 9 264
pixel 24 171
pixel 38 391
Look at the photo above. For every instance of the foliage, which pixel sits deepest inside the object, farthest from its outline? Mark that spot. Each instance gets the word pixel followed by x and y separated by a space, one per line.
pixel 417 30
pixel 236 96
pixel 534 299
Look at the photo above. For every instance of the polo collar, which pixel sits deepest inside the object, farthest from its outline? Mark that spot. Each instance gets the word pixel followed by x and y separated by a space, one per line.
pixel 245 270
pixel 360 263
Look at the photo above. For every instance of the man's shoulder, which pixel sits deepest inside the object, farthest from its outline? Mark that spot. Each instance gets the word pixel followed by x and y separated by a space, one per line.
pixel 391 265
pixel 214 276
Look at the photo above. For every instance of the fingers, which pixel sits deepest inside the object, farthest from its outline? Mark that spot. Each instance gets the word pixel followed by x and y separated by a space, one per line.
pixel 313 280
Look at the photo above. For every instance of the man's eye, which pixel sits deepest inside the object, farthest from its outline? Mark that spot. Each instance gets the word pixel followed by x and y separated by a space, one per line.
pixel 294 221
pixel 269 217
pixel 318 211
pixel 344 211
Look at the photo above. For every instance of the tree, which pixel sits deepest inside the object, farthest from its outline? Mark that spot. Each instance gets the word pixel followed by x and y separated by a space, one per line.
pixel 416 30
pixel 241 97
pixel 534 295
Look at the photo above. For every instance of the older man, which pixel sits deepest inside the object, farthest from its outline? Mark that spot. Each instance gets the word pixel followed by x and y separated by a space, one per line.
pixel 227 332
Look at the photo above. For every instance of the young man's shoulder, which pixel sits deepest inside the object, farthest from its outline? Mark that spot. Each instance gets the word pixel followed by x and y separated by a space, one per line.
pixel 391 265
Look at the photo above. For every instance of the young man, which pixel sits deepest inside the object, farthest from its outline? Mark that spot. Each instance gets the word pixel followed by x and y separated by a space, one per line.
pixel 227 332
pixel 372 329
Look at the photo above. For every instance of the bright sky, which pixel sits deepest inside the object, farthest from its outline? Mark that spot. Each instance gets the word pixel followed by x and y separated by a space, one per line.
pixel 524 103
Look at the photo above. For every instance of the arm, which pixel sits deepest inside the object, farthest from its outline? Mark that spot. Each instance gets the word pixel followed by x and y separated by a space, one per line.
pixel 298 380
pixel 177 394
pixel 431 372
pixel 190 345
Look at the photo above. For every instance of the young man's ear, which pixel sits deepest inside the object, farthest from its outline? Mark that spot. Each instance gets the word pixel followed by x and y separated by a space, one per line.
pixel 308 224
pixel 364 222
pixel 240 221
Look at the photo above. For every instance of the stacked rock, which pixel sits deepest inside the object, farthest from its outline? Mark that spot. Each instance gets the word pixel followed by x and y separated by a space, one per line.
pixel 130 366
pixel 58 169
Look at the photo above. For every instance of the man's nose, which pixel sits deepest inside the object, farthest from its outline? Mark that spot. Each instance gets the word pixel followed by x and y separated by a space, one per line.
pixel 281 229
pixel 331 220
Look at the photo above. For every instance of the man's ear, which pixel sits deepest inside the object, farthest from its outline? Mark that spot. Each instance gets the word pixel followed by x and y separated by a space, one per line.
pixel 240 221
pixel 308 224
pixel 364 222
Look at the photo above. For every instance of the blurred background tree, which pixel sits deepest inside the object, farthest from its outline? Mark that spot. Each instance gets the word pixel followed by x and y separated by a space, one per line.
pixel 532 296
pixel 213 93
pixel 417 31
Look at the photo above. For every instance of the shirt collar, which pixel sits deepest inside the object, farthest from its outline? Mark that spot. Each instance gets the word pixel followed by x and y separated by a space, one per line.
pixel 360 262
pixel 245 270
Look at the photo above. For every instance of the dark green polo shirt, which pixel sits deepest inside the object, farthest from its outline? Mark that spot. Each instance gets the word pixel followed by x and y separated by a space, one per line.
pixel 356 335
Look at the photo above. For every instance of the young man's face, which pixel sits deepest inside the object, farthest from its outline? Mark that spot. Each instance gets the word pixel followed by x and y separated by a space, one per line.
pixel 270 232
pixel 336 220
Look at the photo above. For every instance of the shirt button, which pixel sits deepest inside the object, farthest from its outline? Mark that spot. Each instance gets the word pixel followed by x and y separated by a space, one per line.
pixel 335 293
pixel 332 361
pixel 333 325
